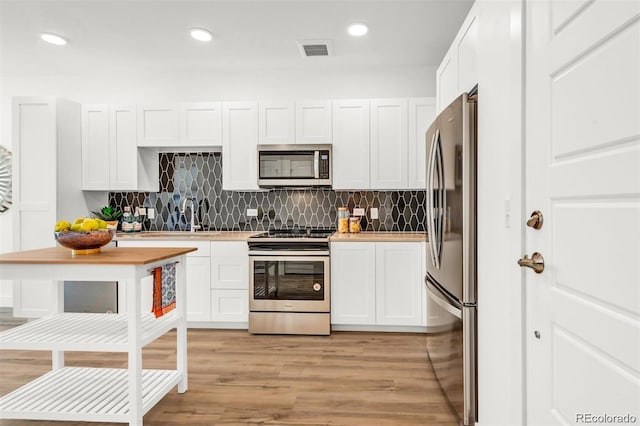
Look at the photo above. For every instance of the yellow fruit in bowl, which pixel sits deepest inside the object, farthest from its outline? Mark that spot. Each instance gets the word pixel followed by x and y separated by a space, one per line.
pixel 101 224
pixel 62 225
pixel 79 221
pixel 76 227
pixel 89 225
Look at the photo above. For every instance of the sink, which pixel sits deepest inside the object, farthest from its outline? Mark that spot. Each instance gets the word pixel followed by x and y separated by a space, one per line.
pixel 175 234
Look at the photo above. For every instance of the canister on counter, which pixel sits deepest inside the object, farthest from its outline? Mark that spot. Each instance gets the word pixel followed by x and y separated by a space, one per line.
pixel 343 220
pixel 354 224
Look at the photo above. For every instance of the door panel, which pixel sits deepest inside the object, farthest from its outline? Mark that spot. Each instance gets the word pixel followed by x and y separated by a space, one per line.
pixel 583 151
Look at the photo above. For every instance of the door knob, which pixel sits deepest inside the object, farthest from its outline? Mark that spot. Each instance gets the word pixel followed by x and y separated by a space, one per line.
pixel 536 262
pixel 535 220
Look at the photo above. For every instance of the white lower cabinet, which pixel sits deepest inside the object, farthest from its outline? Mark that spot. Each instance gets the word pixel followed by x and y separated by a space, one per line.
pixel 399 283
pixel 377 284
pixel 230 281
pixel 198 278
pixel 353 284
pixel 230 305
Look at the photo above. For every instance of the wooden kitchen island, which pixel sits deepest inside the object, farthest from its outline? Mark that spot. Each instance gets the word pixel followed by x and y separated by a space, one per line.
pixel 95 394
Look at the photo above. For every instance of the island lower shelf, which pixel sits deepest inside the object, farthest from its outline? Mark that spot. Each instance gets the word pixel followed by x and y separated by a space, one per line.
pixel 84 332
pixel 85 394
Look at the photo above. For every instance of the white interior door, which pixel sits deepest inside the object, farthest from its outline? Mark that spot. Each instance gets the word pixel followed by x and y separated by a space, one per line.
pixel 582 172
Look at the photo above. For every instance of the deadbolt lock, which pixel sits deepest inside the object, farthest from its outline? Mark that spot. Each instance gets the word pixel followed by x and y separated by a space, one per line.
pixel 535 220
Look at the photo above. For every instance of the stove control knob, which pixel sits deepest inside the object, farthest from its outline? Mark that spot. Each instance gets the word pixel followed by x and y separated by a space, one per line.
pixel 317 287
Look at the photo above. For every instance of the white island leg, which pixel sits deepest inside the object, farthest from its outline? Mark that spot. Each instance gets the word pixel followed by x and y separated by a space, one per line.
pixel 181 332
pixel 135 350
pixel 57 357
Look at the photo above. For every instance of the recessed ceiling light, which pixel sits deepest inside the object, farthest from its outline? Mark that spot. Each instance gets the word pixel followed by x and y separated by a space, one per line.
pixel 53 39
pixel 358 29
pixel 200 34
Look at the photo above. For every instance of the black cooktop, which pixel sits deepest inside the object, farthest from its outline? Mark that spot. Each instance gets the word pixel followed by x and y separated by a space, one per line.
pixel 297 233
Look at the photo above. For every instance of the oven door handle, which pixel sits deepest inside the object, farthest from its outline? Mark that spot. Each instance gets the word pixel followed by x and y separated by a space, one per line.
pixel 287 255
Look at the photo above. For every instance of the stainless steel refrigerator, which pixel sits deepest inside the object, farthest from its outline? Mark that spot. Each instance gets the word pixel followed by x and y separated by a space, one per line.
pixel 451 254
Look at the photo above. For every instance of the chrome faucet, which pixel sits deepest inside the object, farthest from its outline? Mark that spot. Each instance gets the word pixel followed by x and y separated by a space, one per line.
pixel 192 224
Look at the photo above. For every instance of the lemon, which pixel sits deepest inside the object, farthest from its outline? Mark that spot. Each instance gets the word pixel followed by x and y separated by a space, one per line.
pixel 62 225
pixel 76 227
pixel 89 225
pixel 79 221
pixel 101 224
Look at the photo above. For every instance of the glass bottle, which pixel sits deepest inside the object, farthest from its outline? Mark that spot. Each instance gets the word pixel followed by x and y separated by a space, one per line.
pixel 343 220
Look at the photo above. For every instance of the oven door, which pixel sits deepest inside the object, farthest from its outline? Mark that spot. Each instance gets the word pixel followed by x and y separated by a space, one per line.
pixel 289 283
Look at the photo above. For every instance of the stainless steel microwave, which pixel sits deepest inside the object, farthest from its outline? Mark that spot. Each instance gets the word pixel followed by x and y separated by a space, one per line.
pixel 294 165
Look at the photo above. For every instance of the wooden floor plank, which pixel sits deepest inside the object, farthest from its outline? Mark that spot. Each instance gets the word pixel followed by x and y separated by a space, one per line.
pixel 347 378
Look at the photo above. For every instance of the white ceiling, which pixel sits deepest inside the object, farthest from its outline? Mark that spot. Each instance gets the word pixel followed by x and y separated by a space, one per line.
pixel 145 35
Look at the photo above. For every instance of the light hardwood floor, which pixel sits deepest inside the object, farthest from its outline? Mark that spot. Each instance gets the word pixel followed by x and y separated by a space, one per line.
pixel 347 378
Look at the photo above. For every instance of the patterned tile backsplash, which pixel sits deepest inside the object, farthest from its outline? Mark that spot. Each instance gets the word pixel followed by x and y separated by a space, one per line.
pixel 199 175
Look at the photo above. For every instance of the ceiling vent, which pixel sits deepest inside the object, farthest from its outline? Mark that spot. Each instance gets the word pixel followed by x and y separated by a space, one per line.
pixel 310 48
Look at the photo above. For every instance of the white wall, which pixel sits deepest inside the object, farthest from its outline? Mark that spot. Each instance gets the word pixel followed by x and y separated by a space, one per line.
pixel 135 87
pixel 500 241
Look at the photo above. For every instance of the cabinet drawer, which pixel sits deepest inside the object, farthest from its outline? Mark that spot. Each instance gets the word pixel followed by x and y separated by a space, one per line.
pixel 204 247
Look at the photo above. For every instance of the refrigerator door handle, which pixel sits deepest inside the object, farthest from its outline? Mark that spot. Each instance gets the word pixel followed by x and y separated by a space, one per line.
pixel 430 202
pixel 442 194
pixel 442 299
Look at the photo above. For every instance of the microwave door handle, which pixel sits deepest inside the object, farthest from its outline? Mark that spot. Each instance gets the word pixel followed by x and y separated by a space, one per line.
pixel 316 164
pixel 430 202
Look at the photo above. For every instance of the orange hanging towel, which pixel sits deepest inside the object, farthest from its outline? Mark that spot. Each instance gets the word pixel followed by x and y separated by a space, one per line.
pixel 164 289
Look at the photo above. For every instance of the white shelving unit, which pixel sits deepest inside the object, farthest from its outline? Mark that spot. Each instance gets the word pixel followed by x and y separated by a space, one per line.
pixel 95 394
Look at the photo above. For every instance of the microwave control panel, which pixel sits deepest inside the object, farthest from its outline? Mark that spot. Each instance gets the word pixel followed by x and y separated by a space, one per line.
pixel 324 165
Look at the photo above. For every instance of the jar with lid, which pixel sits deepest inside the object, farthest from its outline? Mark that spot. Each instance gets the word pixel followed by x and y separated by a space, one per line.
pixel 354 224
pixel 343 220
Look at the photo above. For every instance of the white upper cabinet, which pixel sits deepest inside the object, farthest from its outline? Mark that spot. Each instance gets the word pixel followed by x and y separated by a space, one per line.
pixel 389 144
pixel 422 112
pixel 467 54
pixel 130 168
pixel 447 79
pixel 458 71
pixel 239 146
pixel 277 123
pixel 111 160
pixel 201 124
pixel 158 125
pixel 351 144
pixel 313 122
pixel 95 147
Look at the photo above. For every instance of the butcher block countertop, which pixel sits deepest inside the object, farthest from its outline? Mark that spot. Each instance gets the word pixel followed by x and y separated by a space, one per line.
pixel 108 256
pixel 379 236
pixel 186 236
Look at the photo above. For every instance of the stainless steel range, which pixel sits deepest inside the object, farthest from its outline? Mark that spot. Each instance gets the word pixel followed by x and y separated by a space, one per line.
pixel 289 283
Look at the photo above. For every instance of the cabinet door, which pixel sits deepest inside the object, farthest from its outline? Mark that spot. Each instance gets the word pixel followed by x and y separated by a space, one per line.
pixel 95 147
pixel 351 144
pixel 398 283
pixel 158 125
pixel 277 123
pixel 34 131
pixel 313 122
pixel 447 79
pixel 239 146
pixel 198 288
pixel 123 150
pixel 353 283
pixel 467 54
pixel 230 305
pixel 422 112
pixel 201 124
pixel 230 265
pixel 389 144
